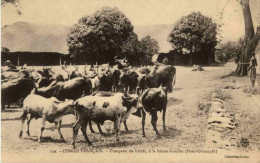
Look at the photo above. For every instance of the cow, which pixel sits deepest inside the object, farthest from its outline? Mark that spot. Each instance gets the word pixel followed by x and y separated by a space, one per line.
pixel 71 89
pixel 129 101
pixel 151 101
pixel 9 75
pixel 95 83
pixel 49 109
pixel 59 70
pixel 160 75
pixel 98 108
pixel 106 82
pixel 132 81
pixel 122 63
pixel 14 90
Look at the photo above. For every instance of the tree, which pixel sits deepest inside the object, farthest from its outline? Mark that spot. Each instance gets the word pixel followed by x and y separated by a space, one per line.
pixel 99 37
pixel 194 33
pixel 15 3
pixel 148 47
pixel 131 49
pixel 251 39
pixel 5 50
pixel 230 50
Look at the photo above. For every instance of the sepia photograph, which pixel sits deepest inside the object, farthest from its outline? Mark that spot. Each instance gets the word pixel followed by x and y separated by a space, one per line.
pixel 130 81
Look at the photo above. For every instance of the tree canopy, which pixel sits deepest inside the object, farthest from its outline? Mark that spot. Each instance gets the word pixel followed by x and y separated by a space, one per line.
pixel 230 50
pixel 149 45
pixel 101 36
pixel 194 33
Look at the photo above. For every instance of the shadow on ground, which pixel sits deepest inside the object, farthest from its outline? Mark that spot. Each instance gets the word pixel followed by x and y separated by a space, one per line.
pixel 12 119
pixel 46 139
pixel 173 101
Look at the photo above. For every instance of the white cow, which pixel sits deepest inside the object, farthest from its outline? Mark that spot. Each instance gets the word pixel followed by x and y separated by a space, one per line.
pixel 49 109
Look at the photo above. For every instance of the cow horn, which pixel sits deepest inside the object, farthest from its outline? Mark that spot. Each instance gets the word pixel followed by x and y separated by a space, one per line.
pixel 37 85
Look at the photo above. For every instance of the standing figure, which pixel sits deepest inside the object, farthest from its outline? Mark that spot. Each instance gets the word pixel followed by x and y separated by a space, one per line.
pixel 253 64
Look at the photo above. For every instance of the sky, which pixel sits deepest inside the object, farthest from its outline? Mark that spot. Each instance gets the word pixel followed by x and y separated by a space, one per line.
pixel 140 12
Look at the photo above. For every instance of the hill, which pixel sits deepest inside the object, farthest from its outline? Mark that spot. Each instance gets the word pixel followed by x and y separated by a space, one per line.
pixel 24 36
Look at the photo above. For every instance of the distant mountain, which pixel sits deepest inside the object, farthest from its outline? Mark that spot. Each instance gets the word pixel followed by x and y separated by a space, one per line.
pixel 23 36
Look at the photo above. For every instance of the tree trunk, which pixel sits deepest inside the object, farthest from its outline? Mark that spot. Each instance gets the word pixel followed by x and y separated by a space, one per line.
pixel 250 42
pixel 191 59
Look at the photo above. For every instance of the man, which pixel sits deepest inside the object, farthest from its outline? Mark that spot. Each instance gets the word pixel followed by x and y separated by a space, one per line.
pixel 10 66
pixel 253 64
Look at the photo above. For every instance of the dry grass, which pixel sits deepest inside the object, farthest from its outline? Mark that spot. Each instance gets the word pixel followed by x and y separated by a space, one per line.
pixel 250 90
pixel 220 94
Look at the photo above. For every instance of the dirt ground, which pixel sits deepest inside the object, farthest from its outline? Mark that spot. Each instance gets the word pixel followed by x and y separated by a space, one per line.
pixel 185 127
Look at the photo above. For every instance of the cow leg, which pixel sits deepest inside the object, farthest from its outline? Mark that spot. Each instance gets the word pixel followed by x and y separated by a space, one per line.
pixel 126 128
pixel 143 121
pixel 163 118
pixel 42 128
pixel 84 132
pixel 24 115
pixel 153 122
pixel 90 127
pixel 76 127
pixel 58 124
pixel 118 119
pixel 99 129
pixel 28 124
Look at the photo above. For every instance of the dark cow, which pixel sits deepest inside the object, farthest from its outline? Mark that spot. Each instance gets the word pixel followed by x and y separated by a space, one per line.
pixel 160 75
pixel 49 109
pixel 122 63
pixel 107 106
pixel 71 89
pixel 132 81
pixel 14 90
pixel 151 101
pixel 106 82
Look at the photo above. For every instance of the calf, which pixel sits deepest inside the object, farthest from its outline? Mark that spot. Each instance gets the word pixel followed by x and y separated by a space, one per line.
pixel 151 101
pixel 114 107
pixel 49 109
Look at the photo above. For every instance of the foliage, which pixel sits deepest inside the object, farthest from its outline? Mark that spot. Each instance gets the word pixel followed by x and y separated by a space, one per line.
pixel 230 50
pixel 149 45
pixel 139 52
pixel 101 36
pixel 13 2
pixel 193 33
pixel 5 50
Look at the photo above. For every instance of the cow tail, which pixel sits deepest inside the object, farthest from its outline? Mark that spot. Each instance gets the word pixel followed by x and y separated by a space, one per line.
pixel 174 79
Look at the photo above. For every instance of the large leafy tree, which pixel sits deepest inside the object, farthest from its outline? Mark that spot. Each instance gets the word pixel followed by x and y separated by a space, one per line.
pixel 251 39
pixel 99 37
pixel 195 32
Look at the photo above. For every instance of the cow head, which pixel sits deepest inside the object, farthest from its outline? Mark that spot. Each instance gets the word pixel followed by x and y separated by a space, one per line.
pixel 122 63
pixel 129 102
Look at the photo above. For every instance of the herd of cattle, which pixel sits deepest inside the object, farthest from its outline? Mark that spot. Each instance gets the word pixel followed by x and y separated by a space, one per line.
pixel 95 93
